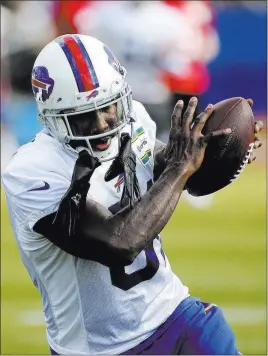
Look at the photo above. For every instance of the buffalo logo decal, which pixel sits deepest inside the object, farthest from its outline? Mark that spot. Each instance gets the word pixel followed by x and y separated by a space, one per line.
pixel 113 60
pixel 92 95
pixel 42 84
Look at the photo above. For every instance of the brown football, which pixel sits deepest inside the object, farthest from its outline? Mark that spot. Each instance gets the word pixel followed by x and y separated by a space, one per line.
pixel 226 156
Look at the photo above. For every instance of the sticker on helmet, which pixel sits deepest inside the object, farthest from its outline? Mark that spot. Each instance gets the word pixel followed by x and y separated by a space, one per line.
pixel 42 84
pixel 92 95
pixel 113 61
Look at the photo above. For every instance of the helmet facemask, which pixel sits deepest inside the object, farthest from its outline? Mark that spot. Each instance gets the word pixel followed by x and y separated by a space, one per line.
pixel 73 126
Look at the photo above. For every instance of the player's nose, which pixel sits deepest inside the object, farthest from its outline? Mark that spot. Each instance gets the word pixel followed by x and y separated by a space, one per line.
pixel 100 123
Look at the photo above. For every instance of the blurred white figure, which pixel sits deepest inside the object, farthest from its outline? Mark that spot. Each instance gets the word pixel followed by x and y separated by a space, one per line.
pixel 200 16
pixel 32 25
pixel 6 16
pixel 9 144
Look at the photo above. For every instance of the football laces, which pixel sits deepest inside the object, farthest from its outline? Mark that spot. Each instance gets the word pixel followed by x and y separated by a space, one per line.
pixel 245 162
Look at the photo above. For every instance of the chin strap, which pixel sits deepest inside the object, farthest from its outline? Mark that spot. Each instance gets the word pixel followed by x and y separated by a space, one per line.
pixel 125 162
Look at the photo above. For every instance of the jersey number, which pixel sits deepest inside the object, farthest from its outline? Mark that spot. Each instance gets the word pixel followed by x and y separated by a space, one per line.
pixel 126 281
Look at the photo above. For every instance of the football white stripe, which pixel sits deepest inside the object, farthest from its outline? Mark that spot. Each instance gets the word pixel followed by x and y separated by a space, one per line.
pixel 247 157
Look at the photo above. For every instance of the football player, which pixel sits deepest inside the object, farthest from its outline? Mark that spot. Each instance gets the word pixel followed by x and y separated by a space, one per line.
pixel 87 200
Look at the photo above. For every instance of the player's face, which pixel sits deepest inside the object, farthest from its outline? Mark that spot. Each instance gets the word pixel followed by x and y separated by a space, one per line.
pixel 95 123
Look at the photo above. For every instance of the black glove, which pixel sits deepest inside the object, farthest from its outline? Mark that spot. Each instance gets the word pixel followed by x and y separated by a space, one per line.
pixel 73 202
pixel 125 162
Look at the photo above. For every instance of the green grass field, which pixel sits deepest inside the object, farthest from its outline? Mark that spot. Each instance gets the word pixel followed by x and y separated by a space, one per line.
pixel 220 253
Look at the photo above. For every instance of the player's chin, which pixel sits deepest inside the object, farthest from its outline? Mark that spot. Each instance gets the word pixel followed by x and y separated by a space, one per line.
pixel 101 144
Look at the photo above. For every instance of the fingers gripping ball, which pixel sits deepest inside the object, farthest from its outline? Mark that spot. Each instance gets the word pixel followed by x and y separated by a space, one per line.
pixel 225 156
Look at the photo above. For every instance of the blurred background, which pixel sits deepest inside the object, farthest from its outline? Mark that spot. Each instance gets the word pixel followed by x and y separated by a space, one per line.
pixel 171 49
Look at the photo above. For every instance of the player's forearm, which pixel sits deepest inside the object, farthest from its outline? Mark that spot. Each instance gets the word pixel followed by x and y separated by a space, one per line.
pixel 133 229
pixel 95 234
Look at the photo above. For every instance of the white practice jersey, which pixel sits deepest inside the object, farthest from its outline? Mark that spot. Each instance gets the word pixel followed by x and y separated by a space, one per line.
pixel 88 308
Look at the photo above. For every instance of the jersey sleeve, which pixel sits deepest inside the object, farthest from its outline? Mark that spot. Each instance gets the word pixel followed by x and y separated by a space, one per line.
pixel 34 193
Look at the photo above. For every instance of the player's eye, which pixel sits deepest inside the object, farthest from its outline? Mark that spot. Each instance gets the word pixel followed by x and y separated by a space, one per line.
pixel 106 109
pixel 81 123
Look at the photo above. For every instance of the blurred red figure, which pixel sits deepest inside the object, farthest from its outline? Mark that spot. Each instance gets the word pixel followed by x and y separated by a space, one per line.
pixel 65 13
pixel 194 79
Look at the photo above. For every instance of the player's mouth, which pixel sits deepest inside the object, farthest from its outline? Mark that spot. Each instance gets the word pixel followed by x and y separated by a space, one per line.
pixel 101 144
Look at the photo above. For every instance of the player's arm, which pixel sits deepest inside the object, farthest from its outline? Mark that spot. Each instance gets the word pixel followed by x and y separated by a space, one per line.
pixel 87 230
